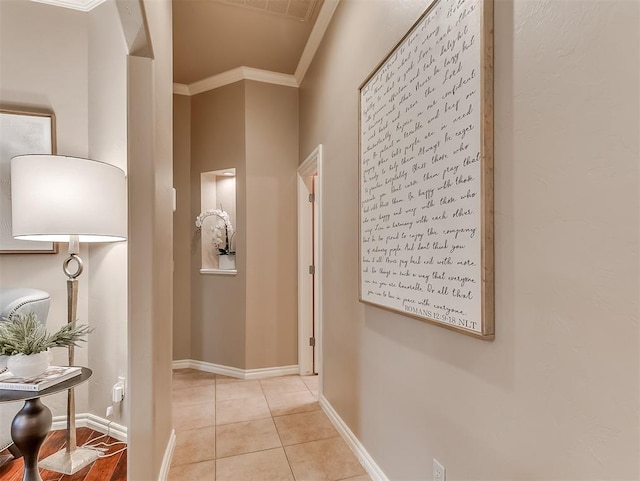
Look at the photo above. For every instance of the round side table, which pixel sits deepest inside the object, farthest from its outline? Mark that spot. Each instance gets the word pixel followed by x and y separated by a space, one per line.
pixel 31 425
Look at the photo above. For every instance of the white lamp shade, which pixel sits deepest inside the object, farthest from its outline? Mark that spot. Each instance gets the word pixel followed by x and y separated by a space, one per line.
pixel 54 197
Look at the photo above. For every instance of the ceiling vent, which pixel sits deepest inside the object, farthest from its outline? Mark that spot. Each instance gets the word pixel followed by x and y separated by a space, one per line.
pixel 300 10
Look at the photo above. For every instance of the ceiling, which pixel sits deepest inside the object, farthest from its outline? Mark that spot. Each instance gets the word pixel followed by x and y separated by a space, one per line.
pixel 269 40
pixel 211 37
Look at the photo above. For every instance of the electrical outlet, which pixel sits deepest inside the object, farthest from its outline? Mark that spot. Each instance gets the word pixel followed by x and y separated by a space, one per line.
pixel 118 390
pixel 439 473
pixel 109 411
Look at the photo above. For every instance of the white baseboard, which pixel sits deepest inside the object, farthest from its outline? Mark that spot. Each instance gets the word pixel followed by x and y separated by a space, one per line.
pixel 91 421
pixel 234 371
pixel 374 471
pixel 181 364
pixel 168 456
pixel 271 372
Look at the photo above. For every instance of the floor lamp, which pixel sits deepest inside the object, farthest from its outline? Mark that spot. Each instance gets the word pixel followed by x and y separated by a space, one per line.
pixel 68 199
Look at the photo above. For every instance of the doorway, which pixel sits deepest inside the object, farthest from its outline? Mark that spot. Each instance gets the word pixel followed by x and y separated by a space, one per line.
pixel 310 264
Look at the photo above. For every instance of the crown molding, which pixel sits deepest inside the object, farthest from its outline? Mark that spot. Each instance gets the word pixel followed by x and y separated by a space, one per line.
pixel 82 5
pixel 232 76
pixel 269 77
pixel 241 73
pixel 248 73
pixel 181 89
pixel 217 81
pixel 317 34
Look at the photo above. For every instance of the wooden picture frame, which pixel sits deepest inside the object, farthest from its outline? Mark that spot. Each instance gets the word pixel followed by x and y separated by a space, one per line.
pixel 426 172
pixel 22 132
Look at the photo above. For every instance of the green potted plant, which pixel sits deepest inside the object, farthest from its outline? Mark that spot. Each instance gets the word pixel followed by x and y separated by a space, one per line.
pixel 26 343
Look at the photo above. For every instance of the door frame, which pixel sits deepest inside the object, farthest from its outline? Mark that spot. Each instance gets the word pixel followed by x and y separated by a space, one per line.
pixel 311 166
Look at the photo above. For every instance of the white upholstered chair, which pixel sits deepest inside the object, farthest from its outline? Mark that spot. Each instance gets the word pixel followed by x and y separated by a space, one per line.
pixel 18 300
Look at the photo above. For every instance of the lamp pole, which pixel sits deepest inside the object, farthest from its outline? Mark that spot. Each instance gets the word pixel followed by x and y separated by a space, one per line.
pixel 72 317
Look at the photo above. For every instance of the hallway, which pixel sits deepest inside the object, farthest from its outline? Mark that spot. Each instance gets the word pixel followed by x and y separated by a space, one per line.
pixel 269 430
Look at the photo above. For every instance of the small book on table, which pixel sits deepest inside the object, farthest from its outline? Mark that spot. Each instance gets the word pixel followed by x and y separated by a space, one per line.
pixel 52 376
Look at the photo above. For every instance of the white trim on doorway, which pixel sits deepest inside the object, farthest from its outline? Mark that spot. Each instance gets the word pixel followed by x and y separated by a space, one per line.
pixel 311 167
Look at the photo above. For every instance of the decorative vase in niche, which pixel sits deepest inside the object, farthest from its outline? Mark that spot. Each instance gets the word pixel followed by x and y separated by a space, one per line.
pixel 227 262
pixel 21 365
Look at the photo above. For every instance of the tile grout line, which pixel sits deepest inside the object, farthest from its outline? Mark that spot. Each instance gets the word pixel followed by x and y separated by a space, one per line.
pixel 307 390
pixel 215 427
pixel 278 432
pixel 293 414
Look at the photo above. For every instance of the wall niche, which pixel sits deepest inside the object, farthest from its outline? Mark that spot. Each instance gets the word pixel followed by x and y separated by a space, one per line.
pixel 217 221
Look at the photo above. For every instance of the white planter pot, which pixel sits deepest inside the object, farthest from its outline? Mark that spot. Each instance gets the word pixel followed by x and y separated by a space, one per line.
pixel 29 366
pixel 227 262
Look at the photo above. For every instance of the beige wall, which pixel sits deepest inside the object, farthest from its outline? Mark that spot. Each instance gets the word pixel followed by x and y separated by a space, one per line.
pixel 107 281
pixel 249 320
pixel 150 247
pixel 556 395
pixel 182 227
pixel 218 303
pixel 272 145
pixel 43 65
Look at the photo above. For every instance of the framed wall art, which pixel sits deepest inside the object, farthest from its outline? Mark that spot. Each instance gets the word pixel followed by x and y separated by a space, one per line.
pixel 426 172
pixel 21 132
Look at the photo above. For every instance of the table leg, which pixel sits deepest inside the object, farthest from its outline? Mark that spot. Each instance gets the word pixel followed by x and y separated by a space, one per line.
pixel 28 431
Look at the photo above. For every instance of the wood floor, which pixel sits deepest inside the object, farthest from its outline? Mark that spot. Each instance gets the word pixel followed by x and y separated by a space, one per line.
pixel 112 468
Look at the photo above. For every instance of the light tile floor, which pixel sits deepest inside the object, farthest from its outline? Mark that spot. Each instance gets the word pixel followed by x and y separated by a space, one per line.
pixel 262 430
